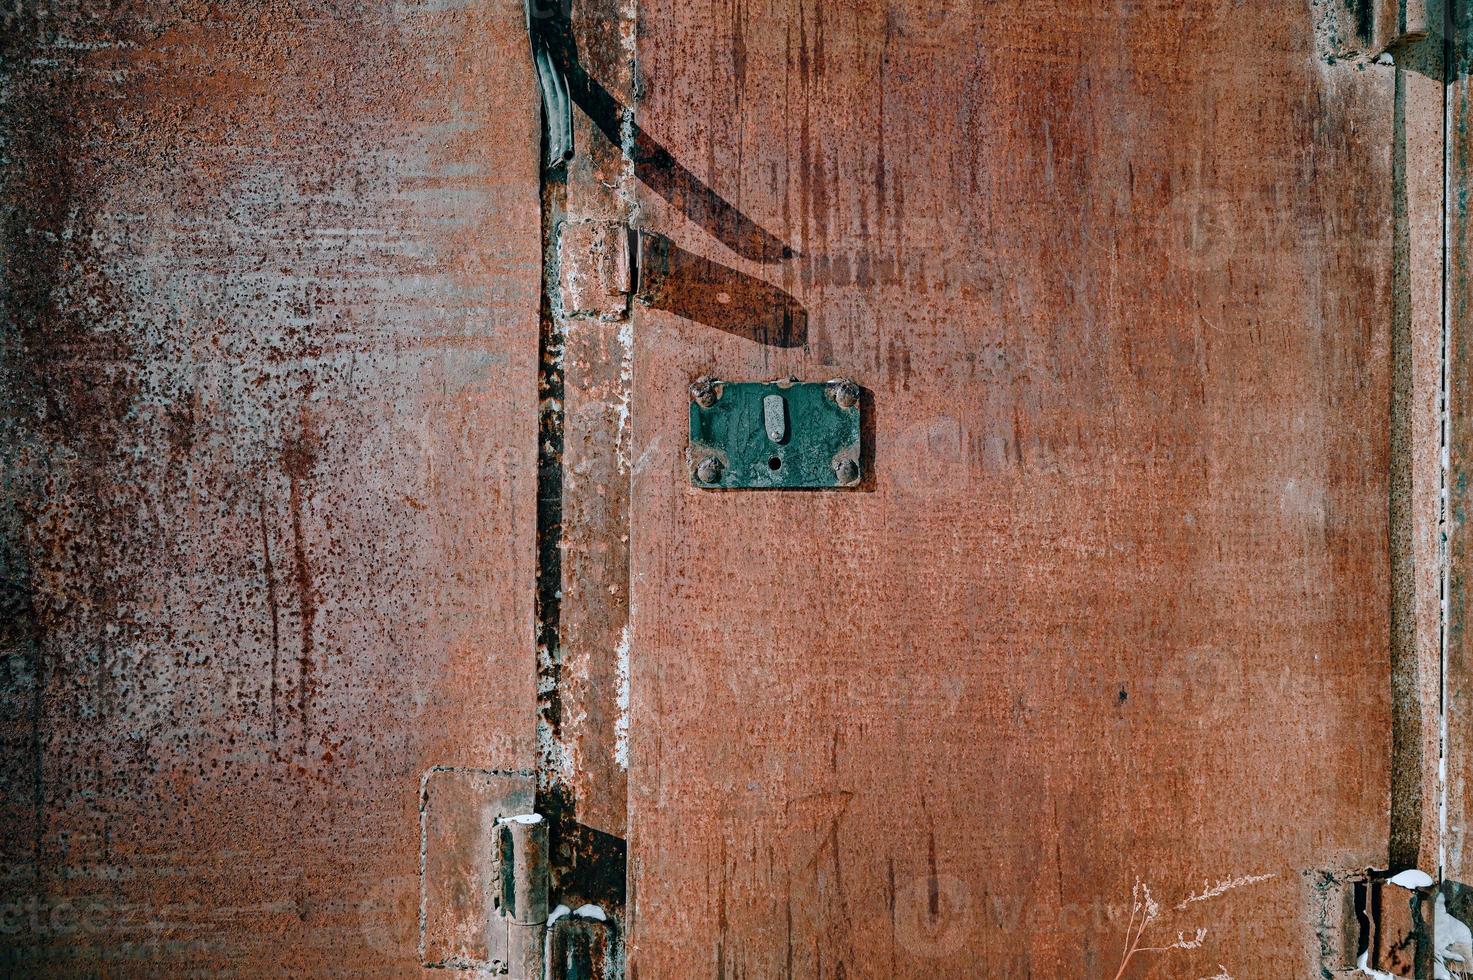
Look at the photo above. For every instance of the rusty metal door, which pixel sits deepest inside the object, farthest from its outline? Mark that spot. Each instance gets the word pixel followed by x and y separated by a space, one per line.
pixel 348 494
pixel 271 286
pixel 1102 644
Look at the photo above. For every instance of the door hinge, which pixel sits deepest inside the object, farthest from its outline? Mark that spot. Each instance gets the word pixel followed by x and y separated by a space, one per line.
pixel 1413 927
pixel 485 878
pixel 547 30
pixel 560 944
pixel 595 268
pixel 520 908
pixel 580 945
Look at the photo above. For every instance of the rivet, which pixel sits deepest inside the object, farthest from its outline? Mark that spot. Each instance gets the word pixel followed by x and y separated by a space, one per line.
pixel 844 392
pixel 705 390
pixel 708 470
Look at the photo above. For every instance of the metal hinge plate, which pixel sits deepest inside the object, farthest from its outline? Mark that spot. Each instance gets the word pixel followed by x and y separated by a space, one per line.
pixel 777 435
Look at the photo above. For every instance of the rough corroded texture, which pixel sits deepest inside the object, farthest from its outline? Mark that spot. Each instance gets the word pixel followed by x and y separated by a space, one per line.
pixel 596 568
pixel 1399 941
pixel 1118 277
pixel 595 269
pixel 596 280
pixel 271 283
pixel 1458 692
pixel 1121 280
pixel 462 920
pixel 1416 448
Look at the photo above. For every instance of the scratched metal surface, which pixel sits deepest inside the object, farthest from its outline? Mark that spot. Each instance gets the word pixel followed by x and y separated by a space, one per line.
pixel 271 285
pixel 1115 604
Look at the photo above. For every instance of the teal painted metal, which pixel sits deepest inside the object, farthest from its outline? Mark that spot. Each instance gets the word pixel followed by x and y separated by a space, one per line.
pixel 779 435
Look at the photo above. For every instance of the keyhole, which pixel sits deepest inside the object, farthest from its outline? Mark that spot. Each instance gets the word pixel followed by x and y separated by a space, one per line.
pixel 774 463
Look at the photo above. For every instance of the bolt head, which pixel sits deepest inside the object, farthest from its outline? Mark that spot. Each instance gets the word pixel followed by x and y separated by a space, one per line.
pixel 844 392
pixel 846 471
pixel 708 470
pixel 704 391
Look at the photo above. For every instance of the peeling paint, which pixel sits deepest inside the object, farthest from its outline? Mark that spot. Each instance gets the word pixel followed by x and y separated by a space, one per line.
pixel 626 393
pixel 621 725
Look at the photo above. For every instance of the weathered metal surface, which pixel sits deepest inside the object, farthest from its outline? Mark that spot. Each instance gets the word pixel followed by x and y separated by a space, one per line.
pixel 271 285
pixel 1416 478
pixel 593 261
pixel 1413 929
pixel 591 273
pixel 525 872
pixel 462 921
pixel 1400 929
pixel 775 435
pixel 1117 607
pixel 1457 854
pixel 596 534
pixel 1121 278
pixel 1367 29
pixel 582 948
pixel 1336 900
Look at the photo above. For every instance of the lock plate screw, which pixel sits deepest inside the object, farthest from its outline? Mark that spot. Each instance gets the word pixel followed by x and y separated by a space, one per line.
pixel 704 391
pixel 708 470
pixel 844 392
pixel 846 471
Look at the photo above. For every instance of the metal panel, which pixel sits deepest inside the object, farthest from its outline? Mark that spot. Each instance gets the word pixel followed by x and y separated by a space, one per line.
pixel 1416 478
pixel 1116 605
pixel 271 287
pixel 779 435
pixel 1458 684
pixel 464 917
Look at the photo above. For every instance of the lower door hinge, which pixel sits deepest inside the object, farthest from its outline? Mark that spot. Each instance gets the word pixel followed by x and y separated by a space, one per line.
pixel 543 944
pixel 1412 927
pixel 485 879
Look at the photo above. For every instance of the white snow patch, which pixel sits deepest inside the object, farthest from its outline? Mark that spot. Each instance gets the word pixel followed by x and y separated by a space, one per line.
pixel 523 818
pixel 1364 965
pixel 1411 878
pixel 557 913
pixel 590 912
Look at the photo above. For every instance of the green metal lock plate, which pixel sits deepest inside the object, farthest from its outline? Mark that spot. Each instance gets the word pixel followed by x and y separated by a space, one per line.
pixel 779 435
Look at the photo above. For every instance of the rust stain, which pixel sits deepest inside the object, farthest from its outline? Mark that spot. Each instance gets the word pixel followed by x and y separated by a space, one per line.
pixel 268 570
pixel 272 278
pixel 1457 861
pixel 299 459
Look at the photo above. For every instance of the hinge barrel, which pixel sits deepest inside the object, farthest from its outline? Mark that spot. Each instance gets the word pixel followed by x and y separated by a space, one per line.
pixel 524 875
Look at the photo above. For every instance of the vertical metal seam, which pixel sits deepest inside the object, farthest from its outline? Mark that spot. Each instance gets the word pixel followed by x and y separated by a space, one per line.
pixel 551 756
pixel 1444 434
pixel 1406 735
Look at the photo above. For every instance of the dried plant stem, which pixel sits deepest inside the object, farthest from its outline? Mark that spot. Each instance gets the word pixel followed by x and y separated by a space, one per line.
pixel 1144 910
